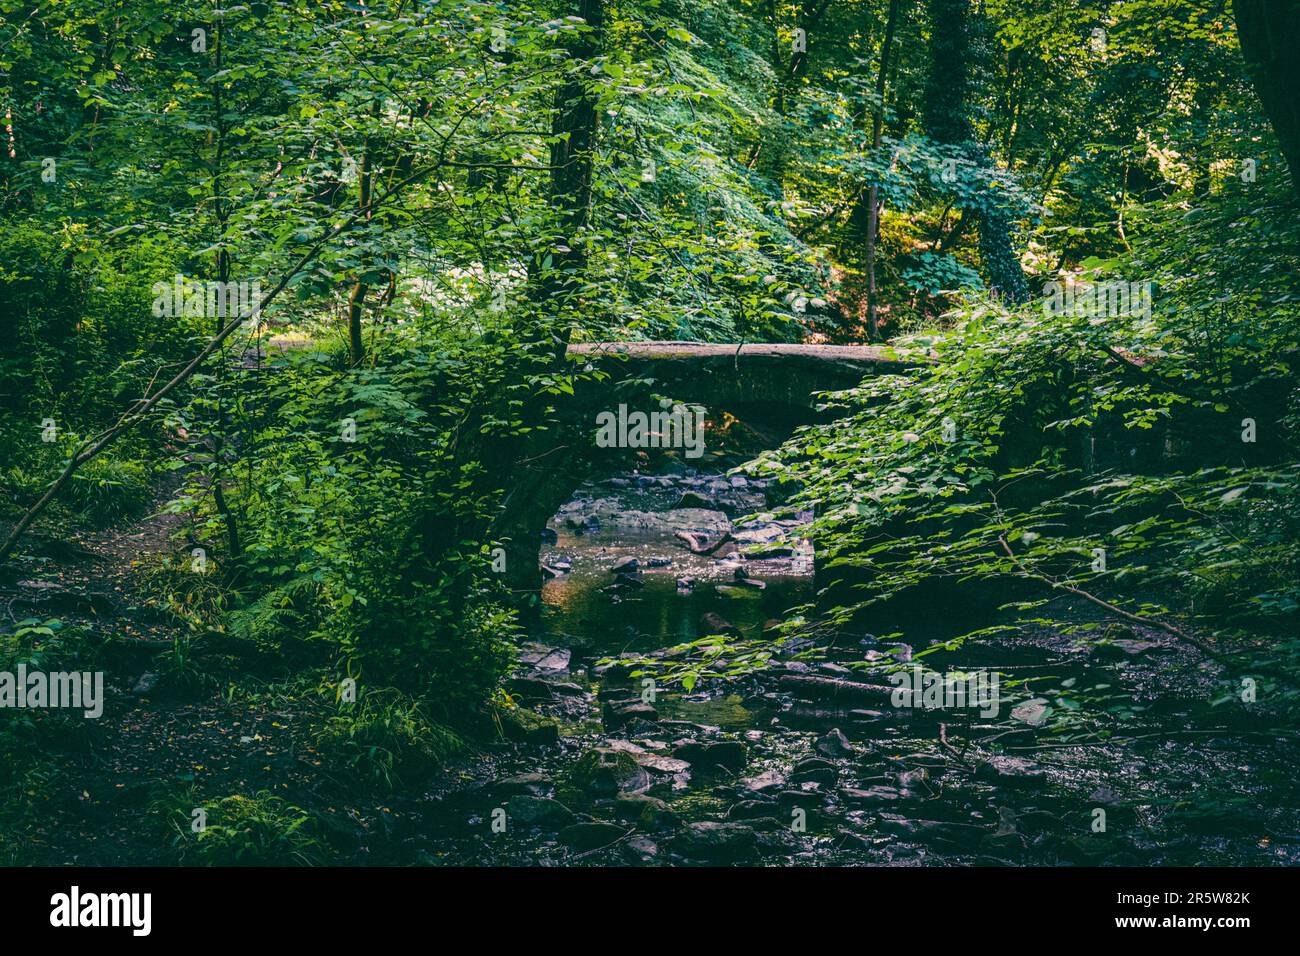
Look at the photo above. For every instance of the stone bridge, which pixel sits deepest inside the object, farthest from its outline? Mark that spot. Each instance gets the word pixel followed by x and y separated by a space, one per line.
pixel 769 387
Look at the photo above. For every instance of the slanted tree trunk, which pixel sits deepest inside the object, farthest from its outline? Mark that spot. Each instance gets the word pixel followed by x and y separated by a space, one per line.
pixel 1269 32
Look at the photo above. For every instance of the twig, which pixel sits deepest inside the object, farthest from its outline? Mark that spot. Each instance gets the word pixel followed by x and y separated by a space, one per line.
pixel 604 846
pixel 956 754
pixel 1114 609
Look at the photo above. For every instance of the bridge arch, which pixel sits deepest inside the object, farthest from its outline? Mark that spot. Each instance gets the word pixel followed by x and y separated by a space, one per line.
pixel 771 386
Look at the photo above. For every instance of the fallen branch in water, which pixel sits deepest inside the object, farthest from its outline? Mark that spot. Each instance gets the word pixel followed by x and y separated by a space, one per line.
pixel 1176 632
pixel 956 754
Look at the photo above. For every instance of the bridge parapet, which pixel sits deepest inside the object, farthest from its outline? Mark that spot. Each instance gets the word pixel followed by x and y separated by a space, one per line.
pixel 723 374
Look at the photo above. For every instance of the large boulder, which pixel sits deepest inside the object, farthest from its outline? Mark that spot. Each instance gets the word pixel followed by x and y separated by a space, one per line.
pixel 716 842
pixel 605 772
pixel 729 754
pixel 617 713
pixel 834 744
pixel 538 812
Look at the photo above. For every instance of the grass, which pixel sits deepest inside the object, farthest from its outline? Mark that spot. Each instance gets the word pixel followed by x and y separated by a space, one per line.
pixel 386 739
pixel 238 830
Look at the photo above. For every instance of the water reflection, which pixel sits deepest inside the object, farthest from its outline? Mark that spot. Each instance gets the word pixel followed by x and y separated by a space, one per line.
pixel 586 608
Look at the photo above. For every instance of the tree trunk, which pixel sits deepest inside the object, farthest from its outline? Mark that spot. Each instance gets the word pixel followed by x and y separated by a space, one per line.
pixel 357 298
pixel 554 290
pixel 574 125
pixel 947 121
pixel 1267 29
pixel 873 194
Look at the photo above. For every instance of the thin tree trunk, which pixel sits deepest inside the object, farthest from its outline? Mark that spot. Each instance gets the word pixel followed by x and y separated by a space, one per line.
pixel 555 289
pixel 873 194
pixel 222 213
pixel 357 297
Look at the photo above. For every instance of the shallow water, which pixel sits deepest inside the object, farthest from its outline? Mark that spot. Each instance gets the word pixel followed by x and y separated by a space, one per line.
pixel 1175 793
pixel 580 613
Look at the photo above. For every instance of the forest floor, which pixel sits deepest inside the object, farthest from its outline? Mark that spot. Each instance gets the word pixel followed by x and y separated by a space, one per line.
pixel 750 772
pixel 113 790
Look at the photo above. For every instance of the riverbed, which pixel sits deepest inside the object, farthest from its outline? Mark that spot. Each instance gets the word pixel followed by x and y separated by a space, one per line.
pixel 807 762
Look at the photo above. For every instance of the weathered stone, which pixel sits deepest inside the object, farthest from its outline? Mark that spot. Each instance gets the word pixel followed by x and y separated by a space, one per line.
pixel 823 776
pixel 582 837
pixel 753 810
pixel 1032 712
pixel 604 771
pixel 730 754
pixel 615 714
pixel 812 763
pixel 834 744
pixel 530 784
pixel 808 798
pixel 662 764
pixel 545 659
pixel 529 688
pixel 630 806
pixel 145 685
pixel 765 782
pixel 538 812
pixel 871 796
pixel 641 849
pixel 716 842
pixel 693 499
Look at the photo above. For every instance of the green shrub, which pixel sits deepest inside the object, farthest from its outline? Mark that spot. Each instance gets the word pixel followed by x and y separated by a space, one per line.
pixel 107 489
pixel 239 830
pixel 386 738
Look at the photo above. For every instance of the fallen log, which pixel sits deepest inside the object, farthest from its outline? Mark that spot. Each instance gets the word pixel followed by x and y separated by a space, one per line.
pixel 808 687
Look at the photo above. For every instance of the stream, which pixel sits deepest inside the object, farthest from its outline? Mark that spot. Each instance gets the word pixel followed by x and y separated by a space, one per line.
pixel 804 763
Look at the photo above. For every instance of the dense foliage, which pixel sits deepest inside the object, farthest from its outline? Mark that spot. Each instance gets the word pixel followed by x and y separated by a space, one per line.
pixel 434 198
